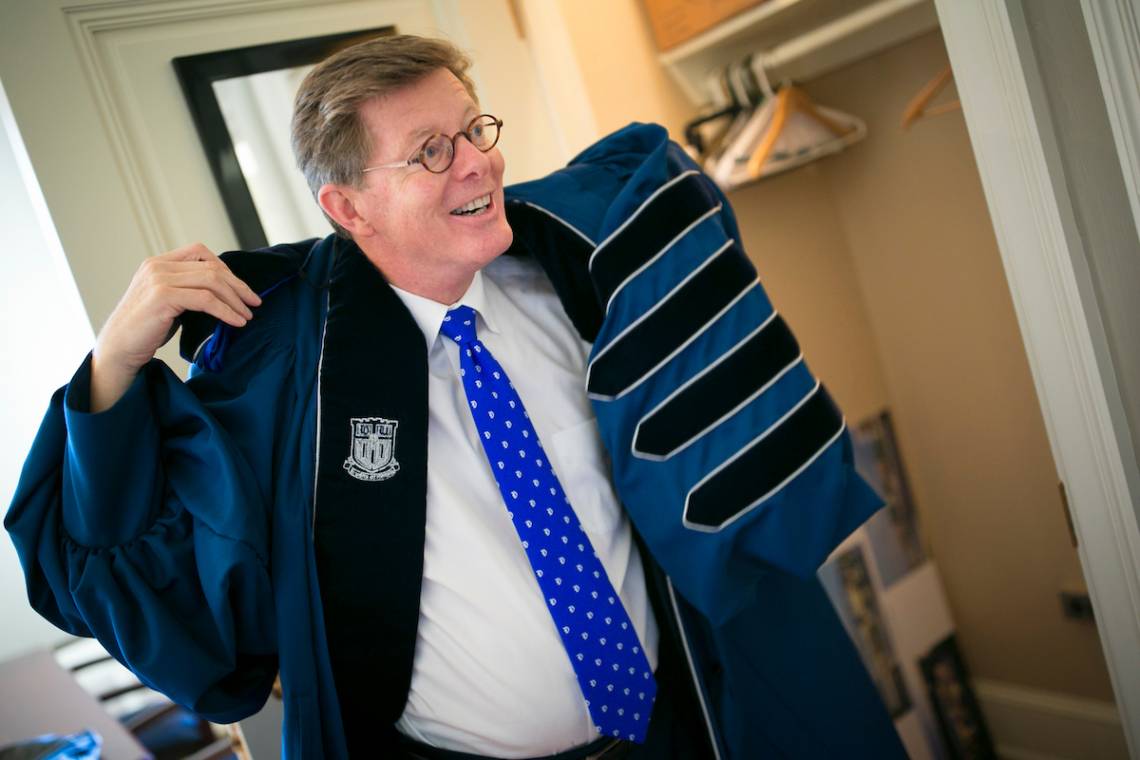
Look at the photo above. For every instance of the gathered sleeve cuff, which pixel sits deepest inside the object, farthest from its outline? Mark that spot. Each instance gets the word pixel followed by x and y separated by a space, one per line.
pixel 110 464
pixel 146 526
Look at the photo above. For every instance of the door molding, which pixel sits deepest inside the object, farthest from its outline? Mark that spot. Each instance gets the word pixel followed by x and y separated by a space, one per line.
pixel 1045 262
pixel 89 24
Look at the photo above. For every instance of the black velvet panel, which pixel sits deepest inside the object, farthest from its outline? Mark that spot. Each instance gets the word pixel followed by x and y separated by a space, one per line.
pixel 766 464
pixel 369 535
pixel 632 356
pixel 563 254
pixel 665 217
pixel 749 367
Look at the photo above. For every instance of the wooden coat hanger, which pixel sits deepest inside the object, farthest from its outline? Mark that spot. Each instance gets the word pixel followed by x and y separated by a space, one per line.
pixel 919 106
pixel 789 100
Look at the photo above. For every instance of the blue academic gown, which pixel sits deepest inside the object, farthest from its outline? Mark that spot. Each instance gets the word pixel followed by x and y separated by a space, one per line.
pixel 209 535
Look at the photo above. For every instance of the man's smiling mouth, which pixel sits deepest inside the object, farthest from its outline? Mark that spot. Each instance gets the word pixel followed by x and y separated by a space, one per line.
pixel 477 206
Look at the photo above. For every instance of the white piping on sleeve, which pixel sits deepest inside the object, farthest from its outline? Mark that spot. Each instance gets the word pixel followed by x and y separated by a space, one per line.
pixel 637 213
pixel 775 489
pixel 556 217
pixel 712 211
pixel 697 436
pixel 678 349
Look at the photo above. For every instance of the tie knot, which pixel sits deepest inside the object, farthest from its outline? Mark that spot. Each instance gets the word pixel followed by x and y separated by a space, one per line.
pixel 459 324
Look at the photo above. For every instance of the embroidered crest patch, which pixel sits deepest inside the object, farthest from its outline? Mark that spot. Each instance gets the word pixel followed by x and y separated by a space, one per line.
pixel 373 449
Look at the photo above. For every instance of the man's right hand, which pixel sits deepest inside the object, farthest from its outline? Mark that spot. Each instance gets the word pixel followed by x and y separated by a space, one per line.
pixel 191 278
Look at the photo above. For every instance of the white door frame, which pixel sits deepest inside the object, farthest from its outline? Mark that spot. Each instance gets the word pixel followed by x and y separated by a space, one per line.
pixel 1053 295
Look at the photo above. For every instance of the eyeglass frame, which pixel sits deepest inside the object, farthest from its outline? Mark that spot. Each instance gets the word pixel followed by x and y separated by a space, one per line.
pixel 418 157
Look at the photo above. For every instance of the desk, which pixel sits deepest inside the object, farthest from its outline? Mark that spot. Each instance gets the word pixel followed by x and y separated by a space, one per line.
pixel 37 697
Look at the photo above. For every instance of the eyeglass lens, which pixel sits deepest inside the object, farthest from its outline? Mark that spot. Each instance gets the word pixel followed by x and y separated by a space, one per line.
pixel 439 151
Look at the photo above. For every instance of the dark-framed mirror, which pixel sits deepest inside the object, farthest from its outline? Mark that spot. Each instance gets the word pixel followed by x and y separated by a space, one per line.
pixel 241 103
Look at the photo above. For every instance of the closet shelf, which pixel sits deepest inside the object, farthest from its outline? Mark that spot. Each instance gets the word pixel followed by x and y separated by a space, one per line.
pixel 797 39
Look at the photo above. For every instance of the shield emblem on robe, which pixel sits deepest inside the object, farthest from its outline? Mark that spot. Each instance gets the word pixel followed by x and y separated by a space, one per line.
pixel 372 455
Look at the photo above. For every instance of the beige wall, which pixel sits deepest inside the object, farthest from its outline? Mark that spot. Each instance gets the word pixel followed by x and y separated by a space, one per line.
pixel 884 262
pixel 619 66
pixel 912 212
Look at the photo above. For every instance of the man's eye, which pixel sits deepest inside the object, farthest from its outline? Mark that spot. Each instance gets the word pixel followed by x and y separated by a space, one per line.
pixel 477 132
pixel 430 152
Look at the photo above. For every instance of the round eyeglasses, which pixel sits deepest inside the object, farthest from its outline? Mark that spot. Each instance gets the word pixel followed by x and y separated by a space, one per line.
pixel 438 151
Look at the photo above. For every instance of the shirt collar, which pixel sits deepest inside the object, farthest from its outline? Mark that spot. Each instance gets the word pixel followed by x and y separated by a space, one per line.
pixel 429 314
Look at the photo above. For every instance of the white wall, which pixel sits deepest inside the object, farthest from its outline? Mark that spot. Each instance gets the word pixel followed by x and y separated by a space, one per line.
pixel 45 335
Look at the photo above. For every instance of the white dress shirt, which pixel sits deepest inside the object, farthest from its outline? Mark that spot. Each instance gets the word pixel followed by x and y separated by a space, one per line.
pixel 490 675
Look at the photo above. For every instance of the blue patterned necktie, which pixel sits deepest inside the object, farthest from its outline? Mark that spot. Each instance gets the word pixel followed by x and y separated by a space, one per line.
pixel 603 647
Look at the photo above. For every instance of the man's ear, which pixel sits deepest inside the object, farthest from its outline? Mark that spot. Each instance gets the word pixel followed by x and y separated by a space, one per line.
pixel 339 203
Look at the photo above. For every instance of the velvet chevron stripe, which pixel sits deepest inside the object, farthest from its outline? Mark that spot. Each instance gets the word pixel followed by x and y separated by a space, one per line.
pixel 717 392
pixel 663 218
pixel 654 338
pixel 775 457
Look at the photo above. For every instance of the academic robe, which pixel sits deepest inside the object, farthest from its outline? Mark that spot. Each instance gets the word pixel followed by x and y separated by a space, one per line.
pixel 211 533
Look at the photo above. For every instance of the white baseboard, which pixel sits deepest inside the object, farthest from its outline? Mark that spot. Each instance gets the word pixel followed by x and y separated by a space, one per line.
pixel 1031 724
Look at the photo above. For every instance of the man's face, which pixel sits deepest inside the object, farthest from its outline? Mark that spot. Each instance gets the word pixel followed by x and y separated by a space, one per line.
pixel 415 235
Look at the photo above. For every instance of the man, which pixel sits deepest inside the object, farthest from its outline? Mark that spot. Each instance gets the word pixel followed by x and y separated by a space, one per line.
pixel 385 479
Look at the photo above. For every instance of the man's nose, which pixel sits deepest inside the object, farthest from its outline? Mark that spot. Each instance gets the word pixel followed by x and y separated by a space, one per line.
pixel 468 159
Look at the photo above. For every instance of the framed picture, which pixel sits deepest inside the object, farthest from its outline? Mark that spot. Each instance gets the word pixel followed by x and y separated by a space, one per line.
pixel 848 584
pixel 893 532
pixel 959 717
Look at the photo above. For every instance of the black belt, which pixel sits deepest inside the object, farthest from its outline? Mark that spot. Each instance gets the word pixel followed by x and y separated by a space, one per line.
pixel 601 748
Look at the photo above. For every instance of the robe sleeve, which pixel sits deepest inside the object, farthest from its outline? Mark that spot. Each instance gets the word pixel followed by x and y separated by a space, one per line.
pixel 729 454
pixel 146 526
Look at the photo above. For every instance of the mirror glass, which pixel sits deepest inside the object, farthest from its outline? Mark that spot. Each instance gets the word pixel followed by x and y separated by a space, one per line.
pixel 257 110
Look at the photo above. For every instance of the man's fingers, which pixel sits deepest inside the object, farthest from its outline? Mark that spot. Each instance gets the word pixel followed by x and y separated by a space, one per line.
pixel 222 286
pixel 207 266
pixel 190 299
pixel 193 278
pixel 192 252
